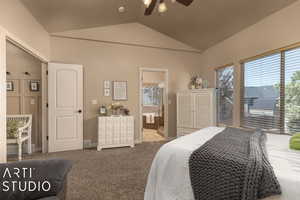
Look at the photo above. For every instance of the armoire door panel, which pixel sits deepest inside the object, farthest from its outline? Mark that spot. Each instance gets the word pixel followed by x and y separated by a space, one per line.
pixel 195 110
pixel 185 110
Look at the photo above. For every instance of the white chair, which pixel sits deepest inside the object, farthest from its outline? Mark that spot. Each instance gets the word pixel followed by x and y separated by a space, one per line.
pixel 23 133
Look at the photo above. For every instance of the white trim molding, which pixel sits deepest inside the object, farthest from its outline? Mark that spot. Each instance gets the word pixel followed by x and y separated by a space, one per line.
pixel 3 153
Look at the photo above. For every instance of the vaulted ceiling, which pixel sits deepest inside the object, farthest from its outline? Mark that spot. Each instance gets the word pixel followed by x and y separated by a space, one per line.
pixel 203 24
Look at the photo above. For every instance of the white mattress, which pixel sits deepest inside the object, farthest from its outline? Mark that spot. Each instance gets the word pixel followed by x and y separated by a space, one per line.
pixel 169 175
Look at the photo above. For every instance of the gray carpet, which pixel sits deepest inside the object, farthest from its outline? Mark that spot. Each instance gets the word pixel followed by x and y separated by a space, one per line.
pixel 112 174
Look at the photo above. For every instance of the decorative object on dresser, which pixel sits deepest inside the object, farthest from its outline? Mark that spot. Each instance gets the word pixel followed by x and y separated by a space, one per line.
pixel 115 131
pixel 103 110
pixel 196 82
pixel 115 108
pixel 196 109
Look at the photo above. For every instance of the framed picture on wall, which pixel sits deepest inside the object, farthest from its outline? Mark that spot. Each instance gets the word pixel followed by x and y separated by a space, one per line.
pixel 106 92
pixel 9 86
pixel 106 84
pixel 34 86
pixel 120 91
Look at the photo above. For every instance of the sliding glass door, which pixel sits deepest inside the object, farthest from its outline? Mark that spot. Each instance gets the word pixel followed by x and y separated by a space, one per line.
pixel 225 78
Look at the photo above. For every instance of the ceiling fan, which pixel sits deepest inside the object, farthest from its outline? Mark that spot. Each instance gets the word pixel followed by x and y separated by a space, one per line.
pixel 162 7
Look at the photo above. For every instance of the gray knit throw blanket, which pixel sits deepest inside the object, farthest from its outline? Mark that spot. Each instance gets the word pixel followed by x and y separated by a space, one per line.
pixel 233 165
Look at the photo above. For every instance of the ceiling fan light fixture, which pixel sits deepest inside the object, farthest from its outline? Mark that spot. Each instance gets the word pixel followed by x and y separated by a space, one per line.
pixel 121 9
pixel 162 7
pixel 147 2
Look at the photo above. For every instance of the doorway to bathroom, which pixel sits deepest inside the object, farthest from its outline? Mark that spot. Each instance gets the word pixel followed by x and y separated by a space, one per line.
pixel 153 106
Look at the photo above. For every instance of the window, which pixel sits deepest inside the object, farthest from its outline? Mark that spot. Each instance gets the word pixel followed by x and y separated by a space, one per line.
pixel 151 96
pixel 261 93
pixel 225 95
pixel 292 91
pixel 271 93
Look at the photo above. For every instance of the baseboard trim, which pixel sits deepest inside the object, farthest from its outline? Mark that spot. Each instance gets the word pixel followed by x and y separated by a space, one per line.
pixel 12 149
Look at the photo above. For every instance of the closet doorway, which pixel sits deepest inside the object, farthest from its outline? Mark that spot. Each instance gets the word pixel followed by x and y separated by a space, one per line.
pixel 26 96
pixel 153 104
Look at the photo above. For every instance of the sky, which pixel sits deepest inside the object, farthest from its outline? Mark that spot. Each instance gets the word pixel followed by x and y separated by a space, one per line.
pixel 266 71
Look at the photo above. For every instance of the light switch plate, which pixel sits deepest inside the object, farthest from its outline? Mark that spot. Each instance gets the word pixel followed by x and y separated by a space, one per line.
pixel 32 101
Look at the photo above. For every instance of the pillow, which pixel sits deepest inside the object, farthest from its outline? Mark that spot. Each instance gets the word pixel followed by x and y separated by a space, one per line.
pixel 295 142
pixel 12 127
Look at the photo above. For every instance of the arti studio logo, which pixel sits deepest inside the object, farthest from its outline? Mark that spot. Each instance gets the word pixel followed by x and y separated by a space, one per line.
pixel 22 180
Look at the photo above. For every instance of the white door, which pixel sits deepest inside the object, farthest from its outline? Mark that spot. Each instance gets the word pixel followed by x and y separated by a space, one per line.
pixel 65 85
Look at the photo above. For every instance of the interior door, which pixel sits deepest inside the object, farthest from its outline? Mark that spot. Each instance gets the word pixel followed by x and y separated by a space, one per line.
pixel 65 87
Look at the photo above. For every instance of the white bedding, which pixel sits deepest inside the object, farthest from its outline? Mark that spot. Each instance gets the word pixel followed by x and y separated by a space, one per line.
pixel 169 175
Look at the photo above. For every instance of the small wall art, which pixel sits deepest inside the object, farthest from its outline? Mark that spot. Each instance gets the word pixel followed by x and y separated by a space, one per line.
pixel 34 86
pixel 9 86
pixel 106 88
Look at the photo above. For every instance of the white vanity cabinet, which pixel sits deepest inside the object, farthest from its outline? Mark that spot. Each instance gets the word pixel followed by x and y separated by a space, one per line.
pixel 115 131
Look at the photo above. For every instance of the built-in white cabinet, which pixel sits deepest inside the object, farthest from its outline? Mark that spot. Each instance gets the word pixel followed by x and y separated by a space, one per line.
pixel 196 109
pixel 115 131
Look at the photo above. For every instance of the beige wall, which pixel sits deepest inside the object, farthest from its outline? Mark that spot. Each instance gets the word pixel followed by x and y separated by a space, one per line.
pixel 278 30
pixel 17 20
pixel 22 100
pixel 104 61
pixel 153 77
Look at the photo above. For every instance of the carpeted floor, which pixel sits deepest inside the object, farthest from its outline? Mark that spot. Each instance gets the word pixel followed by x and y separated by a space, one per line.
pixel 112 174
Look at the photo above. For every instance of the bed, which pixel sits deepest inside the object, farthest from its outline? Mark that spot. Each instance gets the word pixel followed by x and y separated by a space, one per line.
pixel 169 177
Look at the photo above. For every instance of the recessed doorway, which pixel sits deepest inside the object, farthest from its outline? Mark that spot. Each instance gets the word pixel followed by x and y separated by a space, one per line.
pixel 153 104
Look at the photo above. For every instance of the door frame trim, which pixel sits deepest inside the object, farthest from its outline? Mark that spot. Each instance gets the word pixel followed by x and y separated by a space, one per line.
pixel 4 37
pixel 166 99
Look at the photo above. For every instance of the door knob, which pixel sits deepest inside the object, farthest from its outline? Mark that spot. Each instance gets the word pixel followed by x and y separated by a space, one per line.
pixel 79 111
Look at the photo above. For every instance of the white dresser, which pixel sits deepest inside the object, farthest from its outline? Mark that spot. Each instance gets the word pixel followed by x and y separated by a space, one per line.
pixel 196 109
pixel 115 131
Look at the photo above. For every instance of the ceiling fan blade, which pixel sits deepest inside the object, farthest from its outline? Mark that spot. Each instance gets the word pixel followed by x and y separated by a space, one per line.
pixel 150 8
pixel 185 2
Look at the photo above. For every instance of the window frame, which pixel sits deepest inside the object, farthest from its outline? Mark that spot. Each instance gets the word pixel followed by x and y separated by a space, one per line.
pixel 282 69
pixel 234 92
pixel 149 105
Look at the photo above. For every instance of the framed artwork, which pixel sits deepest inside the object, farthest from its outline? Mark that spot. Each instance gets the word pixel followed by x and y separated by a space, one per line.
pixel 9 86
pixel 34 86
pixel 106 84
pixel 106 92
pixel 120 91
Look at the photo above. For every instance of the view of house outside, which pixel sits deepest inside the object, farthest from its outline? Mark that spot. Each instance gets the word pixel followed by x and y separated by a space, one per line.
pixel 262 92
